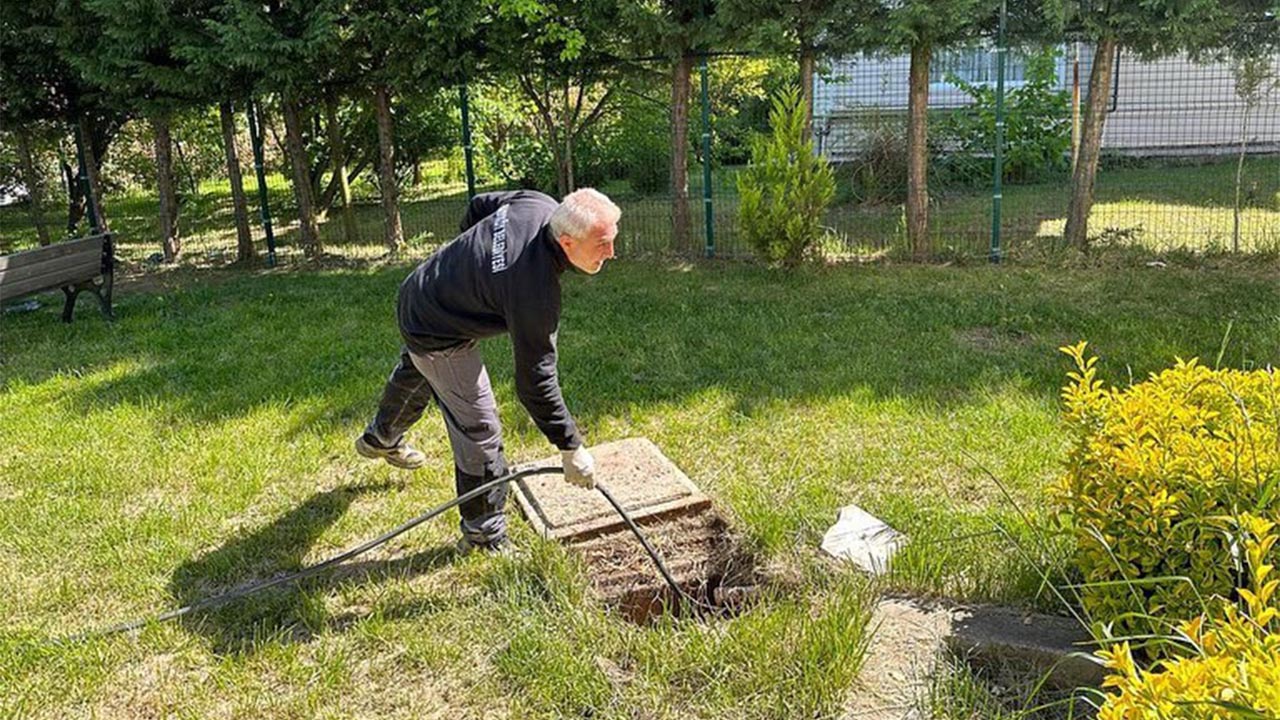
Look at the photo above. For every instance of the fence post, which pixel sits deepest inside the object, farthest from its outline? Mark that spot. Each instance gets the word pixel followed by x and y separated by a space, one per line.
pixel 84 183
pixel 466 140
pixel 706 162
pixel 1075 104
pixel 997 193
pixel 255 137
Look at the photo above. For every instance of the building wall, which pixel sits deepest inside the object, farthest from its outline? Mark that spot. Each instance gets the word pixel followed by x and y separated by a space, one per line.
pixel 1172 106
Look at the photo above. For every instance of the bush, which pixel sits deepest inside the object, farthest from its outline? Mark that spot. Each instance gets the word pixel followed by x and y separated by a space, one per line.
pixel 632 143
pixel 740 89
pixel 877 174
pixel 786 188
pixel 1153 470
pixel 1232 666
pixel 1037 127
pixel 507 141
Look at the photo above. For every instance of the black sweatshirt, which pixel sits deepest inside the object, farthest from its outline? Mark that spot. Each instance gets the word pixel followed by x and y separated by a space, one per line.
pixel 502 274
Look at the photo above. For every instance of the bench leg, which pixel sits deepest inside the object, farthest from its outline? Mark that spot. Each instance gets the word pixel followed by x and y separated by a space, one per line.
pixel 103 292
pixel 70 305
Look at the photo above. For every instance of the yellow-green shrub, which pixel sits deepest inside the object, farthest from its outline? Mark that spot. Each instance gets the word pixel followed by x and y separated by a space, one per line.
pixel 1232 667
pixel 1153 471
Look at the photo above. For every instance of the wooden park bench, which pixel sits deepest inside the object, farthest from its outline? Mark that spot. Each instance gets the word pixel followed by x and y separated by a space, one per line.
pixel 74 266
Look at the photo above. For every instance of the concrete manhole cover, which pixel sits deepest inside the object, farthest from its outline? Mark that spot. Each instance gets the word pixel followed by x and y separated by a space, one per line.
pixel 695 543
pixel 643 480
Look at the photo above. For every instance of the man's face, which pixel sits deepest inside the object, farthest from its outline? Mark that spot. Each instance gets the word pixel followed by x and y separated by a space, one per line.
pixel 588 254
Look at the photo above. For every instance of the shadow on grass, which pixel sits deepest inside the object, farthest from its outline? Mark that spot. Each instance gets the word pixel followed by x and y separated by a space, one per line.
pixel 318 346
pixel 292 612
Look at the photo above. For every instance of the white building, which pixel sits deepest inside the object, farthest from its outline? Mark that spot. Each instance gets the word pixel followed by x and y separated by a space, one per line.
pixel 1173 106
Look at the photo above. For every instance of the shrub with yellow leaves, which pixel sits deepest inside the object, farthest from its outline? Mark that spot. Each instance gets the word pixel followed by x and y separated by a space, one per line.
pixel 1230 665
pixel 1156 475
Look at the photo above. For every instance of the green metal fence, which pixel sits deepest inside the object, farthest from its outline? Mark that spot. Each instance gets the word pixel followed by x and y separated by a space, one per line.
pixel 1191 158
pixel 1191 161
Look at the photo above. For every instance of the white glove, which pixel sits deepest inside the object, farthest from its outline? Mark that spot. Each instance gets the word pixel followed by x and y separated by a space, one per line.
pixel 579 467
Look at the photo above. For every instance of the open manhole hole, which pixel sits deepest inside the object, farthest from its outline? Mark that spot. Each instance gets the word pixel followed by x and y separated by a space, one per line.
pixel 695 543
pixel 700 554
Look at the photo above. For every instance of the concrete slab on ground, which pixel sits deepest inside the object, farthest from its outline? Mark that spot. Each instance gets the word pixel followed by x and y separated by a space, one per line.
pixel 908 638
pixel 1058 646
pixel 643 480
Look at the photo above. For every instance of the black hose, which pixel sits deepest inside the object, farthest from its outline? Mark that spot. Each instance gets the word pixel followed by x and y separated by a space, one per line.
pixel 224 598
pixel 678 591
pixel 306 572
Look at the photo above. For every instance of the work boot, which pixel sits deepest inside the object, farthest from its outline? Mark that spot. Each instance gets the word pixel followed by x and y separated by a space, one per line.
pixel 399 455
pixel 502 546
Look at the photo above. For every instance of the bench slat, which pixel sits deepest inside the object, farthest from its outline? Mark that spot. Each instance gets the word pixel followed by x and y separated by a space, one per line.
pixel 49 252
pixel 87 270
pixel 48 267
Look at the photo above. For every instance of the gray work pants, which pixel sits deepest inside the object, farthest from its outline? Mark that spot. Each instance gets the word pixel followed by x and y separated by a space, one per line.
pixel 457 380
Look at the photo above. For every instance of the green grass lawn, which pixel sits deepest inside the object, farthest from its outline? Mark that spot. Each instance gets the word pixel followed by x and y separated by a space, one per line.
pixel 204 441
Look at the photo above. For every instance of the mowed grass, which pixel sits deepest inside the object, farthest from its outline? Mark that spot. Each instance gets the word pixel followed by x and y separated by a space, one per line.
pixel 204 441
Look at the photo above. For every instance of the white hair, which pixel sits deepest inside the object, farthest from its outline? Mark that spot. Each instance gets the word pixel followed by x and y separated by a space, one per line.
pixel 581 211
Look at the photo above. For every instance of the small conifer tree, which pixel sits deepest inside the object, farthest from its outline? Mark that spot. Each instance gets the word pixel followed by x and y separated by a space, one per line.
pixel 786 188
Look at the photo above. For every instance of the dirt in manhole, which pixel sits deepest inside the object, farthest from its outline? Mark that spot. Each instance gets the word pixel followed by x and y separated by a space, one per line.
pixel 700 552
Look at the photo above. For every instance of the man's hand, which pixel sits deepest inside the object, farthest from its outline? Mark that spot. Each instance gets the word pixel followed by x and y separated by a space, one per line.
pixel 579 467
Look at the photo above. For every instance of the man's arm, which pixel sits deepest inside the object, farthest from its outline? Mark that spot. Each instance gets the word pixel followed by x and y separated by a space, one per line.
pixel 533 337
pixel 484 205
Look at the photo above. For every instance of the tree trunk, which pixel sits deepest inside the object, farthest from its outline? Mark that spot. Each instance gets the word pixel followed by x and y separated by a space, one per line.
pixel 1244 146
pixel 164 186
pixel 1077 231
pixel 807 63
pixel 244 238
pixel 310 234
pixel 394 235
pixel 91 169
pixel 417 172
pixel 75 197
pixel 680 89
pixel 35 185
pixel 918 153
pixel 566 154
pixel 331 189
pixel 339 153
pixel 569 182
pixel 192 184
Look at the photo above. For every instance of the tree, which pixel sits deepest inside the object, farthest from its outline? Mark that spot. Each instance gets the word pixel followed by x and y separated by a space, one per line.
pixel 808 30
pixel 920 26
pixel 244 238
pixel 1149 28
pixel 132 59
pixel 39 87
pixel 284 47
pixel 34 183
pixel 786 188
pixel 338 152
pixel 396 53
pixel 240 65
pixel 387 168
pixel 27 97
pixel 564 55
pixel 229 85
pixel 400 45
pixel 1251 52
pixel 680 28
